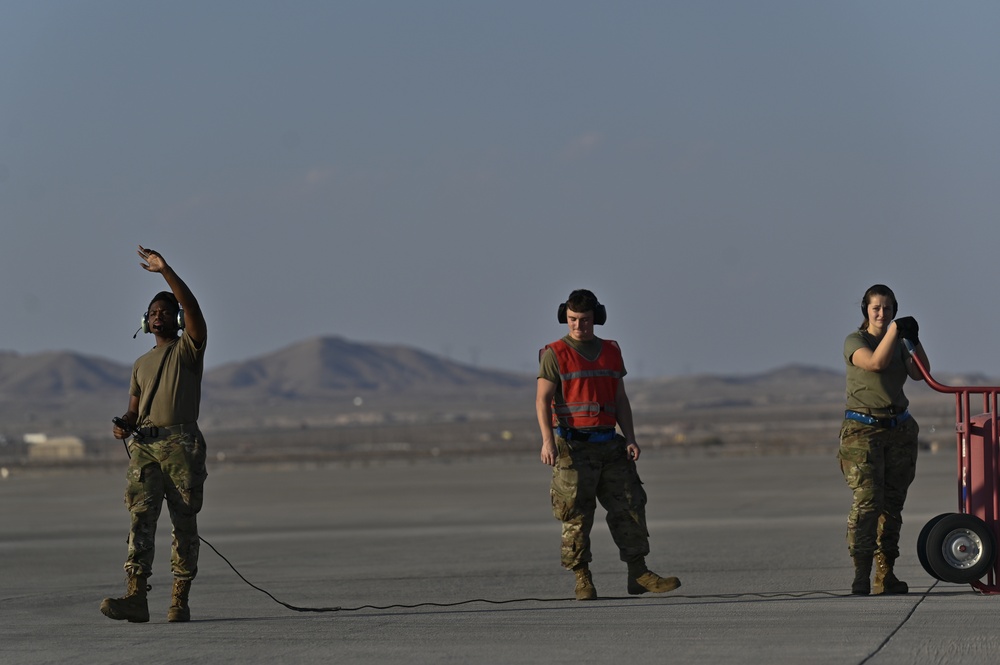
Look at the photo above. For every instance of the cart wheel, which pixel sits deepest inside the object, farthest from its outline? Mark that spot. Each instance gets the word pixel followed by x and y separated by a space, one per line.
pixel 922 544
pixel 960 548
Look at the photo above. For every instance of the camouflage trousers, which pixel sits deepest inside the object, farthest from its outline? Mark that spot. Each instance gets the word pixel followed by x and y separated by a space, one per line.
pixel 878 464
pixel 171 468
pixel 586 473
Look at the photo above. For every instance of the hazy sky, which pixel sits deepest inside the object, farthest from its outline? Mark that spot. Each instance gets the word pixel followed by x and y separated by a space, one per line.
pixel 728 177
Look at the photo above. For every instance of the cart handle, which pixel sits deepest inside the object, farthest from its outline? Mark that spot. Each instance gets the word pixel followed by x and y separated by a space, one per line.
pixel 940 387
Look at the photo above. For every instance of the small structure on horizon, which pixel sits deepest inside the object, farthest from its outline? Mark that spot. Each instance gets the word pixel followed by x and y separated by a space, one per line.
pixel 43 447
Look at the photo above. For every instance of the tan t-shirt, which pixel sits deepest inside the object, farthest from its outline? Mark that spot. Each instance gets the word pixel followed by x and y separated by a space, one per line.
pixel 177 398
pixel 874 390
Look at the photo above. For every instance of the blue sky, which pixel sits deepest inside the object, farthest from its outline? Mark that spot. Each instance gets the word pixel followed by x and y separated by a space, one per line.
pixel 728 177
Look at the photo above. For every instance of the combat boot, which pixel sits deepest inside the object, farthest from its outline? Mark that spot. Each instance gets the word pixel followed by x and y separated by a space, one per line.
pixel 642 580
pixel 132 606
pixel 584 583
pixel 886 581
pixel 862 584
pixel 179 610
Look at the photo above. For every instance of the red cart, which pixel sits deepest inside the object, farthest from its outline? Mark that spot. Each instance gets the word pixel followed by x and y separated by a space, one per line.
pixel 961 547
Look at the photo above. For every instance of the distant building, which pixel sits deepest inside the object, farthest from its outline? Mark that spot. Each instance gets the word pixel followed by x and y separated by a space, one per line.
pixel 42 447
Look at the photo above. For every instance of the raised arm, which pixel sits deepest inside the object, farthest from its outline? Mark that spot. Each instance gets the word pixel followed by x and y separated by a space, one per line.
pixel 194 320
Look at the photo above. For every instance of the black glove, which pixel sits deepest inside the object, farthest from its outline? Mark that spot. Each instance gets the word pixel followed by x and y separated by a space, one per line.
pixel 908 329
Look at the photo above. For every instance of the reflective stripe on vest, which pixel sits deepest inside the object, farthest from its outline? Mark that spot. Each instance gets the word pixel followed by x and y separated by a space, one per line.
pixel 589 387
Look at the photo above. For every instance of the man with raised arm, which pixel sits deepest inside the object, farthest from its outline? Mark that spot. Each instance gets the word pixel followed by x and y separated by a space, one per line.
pixel 167 450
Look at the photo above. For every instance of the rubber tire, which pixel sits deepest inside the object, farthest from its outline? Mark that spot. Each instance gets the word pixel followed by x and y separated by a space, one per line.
pixel 922 544
pixel 943 535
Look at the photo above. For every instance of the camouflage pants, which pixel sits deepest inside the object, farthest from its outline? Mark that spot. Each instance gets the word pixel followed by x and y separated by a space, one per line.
pixel 879 464
pixel 171 468
pixel 586 473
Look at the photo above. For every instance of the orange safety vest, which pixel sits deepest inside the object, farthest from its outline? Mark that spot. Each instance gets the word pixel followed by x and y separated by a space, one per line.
pixel 589 387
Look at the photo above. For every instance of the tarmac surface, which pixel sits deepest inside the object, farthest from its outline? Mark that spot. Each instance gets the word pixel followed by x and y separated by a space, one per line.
pixel 458 562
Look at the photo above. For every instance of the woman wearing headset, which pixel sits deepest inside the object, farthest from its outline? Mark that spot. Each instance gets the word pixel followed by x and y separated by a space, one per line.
pixel 878 438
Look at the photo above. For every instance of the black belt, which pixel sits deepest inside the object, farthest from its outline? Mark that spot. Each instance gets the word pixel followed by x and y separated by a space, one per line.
pixel 592 436
pixel 154 432
pixel 888 423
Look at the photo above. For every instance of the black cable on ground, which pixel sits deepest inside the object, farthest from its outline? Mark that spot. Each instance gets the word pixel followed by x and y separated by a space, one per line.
pixel 902 623
pixel 374 607
pixel 724 596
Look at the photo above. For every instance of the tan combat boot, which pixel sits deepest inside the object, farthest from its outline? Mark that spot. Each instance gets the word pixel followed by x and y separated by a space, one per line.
pixel 885 580
pixel 132 606
pixel 862 584
pixel 642 580
pixel 179 610
pixel 584 583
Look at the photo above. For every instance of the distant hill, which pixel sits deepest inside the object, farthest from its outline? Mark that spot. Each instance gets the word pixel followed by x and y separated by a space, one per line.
pixel 65 391
pixel 319 366
pixel 43 377
pixel 308 369
pixel 787 385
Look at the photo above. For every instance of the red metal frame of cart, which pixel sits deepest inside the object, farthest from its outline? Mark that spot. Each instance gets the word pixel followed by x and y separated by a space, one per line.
pixel 978 461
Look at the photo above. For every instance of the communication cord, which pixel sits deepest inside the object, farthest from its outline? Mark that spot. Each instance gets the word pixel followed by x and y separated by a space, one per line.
pixel 902 623
pixel 295 608
pixel 373 607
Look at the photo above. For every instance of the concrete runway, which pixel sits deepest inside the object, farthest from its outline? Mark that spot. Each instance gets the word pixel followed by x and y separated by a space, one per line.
pixel 402 549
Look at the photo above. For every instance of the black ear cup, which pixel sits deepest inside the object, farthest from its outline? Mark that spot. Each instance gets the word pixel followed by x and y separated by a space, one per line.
pixel 600 314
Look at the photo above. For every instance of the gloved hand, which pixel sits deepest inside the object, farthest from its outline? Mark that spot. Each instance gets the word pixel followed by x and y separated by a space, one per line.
pixel 908 328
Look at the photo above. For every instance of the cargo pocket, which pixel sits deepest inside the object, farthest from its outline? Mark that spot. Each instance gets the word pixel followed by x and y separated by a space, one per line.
pixel 187 463
pixel 196 456
pixel 143 488
pixel 855 462
pixel 563 489
pixel 637 493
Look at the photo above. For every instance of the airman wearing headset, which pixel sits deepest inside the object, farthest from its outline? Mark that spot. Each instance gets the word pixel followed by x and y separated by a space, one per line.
pixel 878 438
pixel 167 450
pixel 579 402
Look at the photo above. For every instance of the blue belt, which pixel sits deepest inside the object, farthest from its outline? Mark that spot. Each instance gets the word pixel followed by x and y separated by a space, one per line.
pixel 888 423
pixel 591 436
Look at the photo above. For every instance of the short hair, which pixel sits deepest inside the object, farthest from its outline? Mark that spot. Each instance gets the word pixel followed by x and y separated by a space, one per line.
pixel 581 301
pixel 877 290
pixel 166 296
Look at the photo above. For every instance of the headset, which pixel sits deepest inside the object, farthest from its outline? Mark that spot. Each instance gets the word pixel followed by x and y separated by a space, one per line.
pixel 600 313
pixel 145 321
pixel 895 302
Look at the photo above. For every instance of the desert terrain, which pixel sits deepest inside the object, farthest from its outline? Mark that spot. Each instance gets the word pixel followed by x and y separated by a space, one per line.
pixel 328 399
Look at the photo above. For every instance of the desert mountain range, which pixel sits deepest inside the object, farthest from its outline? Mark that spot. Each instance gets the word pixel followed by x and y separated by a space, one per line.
pixel 308 369
pixel 330 382
pixel 63 391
